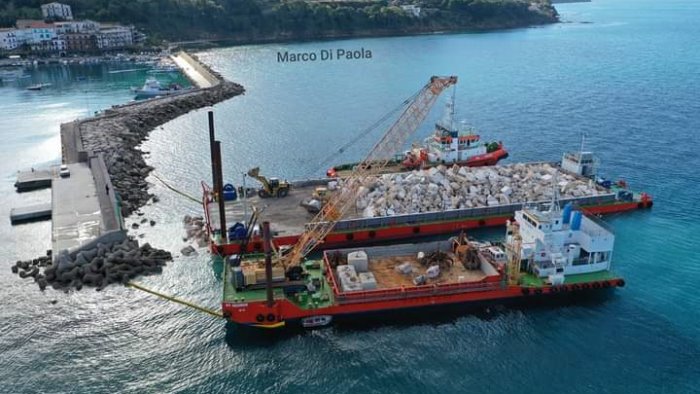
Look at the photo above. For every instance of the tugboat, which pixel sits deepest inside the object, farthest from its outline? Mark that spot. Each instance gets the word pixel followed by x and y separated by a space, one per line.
pixel 152 88
pixel 547 252
pixel 450 144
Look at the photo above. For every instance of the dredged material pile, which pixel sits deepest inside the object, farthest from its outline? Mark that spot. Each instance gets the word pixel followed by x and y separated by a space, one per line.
pixel 442 188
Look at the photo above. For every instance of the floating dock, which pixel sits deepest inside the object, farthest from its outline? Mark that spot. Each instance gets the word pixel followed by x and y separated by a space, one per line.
pixel 30 213
pixel 33 180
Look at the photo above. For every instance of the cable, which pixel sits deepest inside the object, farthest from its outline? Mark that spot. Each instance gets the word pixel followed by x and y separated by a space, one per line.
pixel 175 190
pixel 364 133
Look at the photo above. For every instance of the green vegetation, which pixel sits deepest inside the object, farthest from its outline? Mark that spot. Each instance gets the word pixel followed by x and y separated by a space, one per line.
pixel 259 20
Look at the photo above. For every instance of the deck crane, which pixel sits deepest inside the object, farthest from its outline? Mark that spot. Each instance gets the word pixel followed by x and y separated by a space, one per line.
pixel 378 158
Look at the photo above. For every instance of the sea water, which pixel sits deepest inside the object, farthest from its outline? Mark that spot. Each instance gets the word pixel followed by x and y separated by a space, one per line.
pixel 623 73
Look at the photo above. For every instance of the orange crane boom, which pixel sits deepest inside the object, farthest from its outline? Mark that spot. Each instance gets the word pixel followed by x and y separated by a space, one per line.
pixel 378 158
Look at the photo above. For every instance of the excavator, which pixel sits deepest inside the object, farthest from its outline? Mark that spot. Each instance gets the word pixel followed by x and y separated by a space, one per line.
pixel 270 187
pixel 381 155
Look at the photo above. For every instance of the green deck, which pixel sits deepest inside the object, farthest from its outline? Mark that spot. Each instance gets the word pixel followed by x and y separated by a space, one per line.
pixel 323 297
pixel 530 280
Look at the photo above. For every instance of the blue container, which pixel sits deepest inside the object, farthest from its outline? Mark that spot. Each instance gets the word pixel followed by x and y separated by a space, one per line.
pixel 237 232
pixel 566 213
pixel 238 278
pixel 234 260
pixel 230 193
pixel 576 220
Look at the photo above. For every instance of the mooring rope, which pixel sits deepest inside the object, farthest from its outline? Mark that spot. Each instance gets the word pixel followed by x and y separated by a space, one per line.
pixel 176 300
pixel 180 192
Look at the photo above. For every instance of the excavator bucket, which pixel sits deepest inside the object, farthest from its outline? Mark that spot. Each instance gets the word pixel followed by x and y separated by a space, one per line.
pixel 254 172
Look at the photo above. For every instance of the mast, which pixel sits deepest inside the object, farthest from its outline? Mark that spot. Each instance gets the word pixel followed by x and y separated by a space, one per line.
pixel 452 107
pixel 554 205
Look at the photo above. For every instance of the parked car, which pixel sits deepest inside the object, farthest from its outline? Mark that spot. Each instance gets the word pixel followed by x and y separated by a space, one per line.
pixel 64 172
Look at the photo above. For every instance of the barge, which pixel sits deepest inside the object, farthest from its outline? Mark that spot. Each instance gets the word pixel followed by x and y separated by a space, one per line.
pixel 545 253
pixel 289 217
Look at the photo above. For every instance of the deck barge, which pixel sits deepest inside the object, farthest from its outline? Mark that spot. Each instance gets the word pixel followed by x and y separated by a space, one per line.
pixel 288 218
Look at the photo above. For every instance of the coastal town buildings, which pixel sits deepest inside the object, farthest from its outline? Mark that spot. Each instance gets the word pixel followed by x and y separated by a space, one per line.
pixel 57 11
pixel 84 26
pixel 80 42
pixel 8 39
pixel 114 36
pixel 60 33
pixel 411 9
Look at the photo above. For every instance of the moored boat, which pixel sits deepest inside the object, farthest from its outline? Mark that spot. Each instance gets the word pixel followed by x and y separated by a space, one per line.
pixel 153 88
pixel 450 144
pixel 38 86
pixel 546 252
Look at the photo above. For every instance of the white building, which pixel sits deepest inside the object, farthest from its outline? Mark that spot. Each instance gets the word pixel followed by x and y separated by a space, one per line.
pixel 113 37
pixel 8 39
pixel 35 31
pixel 84 26
pixel 411 9
pixel 57 11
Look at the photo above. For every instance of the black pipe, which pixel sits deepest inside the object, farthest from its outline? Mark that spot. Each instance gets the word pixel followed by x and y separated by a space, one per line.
pixel 267 240
pixel 220 190
pixel 212 139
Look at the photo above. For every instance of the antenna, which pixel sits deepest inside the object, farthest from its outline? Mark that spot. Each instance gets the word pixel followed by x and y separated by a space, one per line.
pixel 452 107
pixel 554 205
pixel 583 141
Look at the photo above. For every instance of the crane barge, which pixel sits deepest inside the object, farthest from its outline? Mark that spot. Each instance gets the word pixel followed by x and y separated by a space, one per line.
pixel 289 215
pixel 546 252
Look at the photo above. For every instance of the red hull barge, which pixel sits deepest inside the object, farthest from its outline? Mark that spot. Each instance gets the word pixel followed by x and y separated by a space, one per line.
pixel 331 300
pixel 423 225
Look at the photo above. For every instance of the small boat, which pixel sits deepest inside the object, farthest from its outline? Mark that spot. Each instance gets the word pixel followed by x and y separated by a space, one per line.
pixel 152 88
pixel 164 70
pixel 316 321
pixel 38 86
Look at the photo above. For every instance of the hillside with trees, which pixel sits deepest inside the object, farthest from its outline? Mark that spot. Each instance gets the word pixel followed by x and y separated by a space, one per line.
pixel 268 20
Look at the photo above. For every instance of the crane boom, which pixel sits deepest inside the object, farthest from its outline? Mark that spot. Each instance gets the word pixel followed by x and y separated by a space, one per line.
pixel 378 158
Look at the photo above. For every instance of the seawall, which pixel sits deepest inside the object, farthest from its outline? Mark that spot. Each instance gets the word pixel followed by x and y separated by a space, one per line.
pixel 119 130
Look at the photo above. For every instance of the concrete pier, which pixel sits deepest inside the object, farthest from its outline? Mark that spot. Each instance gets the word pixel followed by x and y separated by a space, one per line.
pixel 107 171
pixel 194 70
pixel 30 213
pixel 33 180
pixel 83 210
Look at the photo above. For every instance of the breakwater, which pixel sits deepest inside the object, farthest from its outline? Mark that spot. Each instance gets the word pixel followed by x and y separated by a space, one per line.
pixel 107 145
pixel 119 130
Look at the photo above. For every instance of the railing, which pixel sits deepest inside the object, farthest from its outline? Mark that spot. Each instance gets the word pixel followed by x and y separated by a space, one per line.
pixel 456 214
pixel 403 292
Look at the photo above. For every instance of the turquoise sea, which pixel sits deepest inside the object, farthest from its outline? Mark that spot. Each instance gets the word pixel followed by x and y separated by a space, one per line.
pixel 626 73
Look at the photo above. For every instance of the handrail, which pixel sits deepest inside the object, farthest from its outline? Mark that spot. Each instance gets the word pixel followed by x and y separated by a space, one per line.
pixel 403 292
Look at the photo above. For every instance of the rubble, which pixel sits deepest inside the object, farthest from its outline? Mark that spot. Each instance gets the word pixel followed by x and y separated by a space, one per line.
pixel 444 188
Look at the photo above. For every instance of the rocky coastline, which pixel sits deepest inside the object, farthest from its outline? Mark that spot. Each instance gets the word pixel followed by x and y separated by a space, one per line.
pixel 120 130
